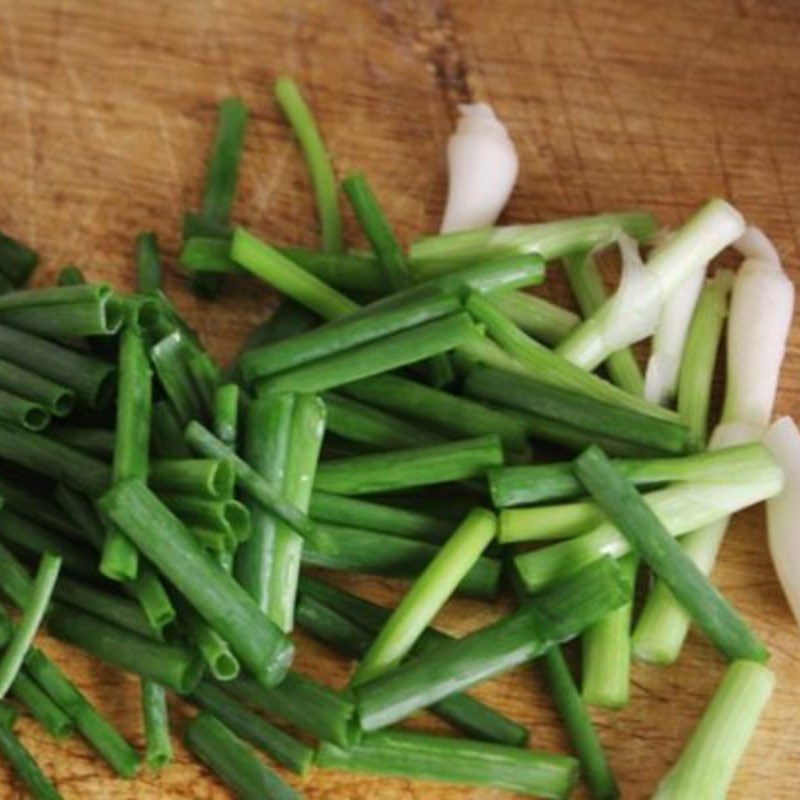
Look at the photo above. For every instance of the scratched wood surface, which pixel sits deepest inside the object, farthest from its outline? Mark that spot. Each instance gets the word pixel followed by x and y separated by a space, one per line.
pixel 106 114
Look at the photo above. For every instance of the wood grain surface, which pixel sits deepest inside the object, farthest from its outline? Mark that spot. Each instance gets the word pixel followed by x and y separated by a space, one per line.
pixel 106 114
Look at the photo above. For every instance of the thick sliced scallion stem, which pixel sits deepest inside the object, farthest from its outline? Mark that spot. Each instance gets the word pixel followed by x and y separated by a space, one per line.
pixel 700 354
pixel 372 553
pixel 458 416
pixel 120 559
pixel 260 489
pixel 402 469
pixel 266 443
pixel 206 377
pixel 288 277
pixel 571 407
pixel 201 477
pixel 173 666
pixel 228 516
pixel 56 399
pixel 426 757
pixel 545 523
pixel 349 638
pixel 214 594
pixel 216 652
pixel 170 357
pixel 559 614
pixel 303 702
pixel 15 582
pixel 434 255
pixel 607 651
pixel 682 508
pixel 234 761
pixel 318 162
pixel 359 422
pixel 354 512
pixel 95 728
pixel 543 320
pixel 628 511
pixel 539 362
pixel 709 761
pixel 632 313
pixel 587 286
pixel 305 443
pixel 25 766
pixel 285 749
pixel 98 442
pixel 148 263
pixel 27 692
pixel 381 355
pixel 91 379
pixel 90 309
pixel 29 622
pixel 585 741
pixel 158 747
pixel 20 411
pixel 427 595
pixel 537 483
pixel 166 434
pixel 17 261
pixel 226 413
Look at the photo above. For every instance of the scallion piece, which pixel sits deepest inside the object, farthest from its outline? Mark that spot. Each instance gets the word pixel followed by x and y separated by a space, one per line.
pixel 261 490
pixel 25 766
pixel 544 321
pixel 98 442
pixel 71 275
pixel 227 516
pixel 170 357
pixel 166 434
pixel 582 733
pixel 305 442
pixel 28 414
pixel 148 263
pixel 233 761
pixel 201 477
pixel 318 162
pixel 226 413
pixel 158 747
pixel 426 757
pixel 27 692
pixel 90 378
pixel 709 761
pixel 635 519
pixel 17 261
pixel 55 398
pixel 559 614
pixel 427 595
pixel 95 728
pixel 162 538
pixel 29 622
pixel 253 729
pixel 173 666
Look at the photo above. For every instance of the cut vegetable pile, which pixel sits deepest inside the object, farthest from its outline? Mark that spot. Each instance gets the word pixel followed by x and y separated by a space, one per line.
pixel 409 414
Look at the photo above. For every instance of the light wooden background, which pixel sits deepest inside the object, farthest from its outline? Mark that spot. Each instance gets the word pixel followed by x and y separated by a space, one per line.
pixel 106 114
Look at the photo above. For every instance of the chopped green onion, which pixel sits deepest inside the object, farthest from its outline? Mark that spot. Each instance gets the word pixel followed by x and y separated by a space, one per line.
pixel 27 692
pixel 56 399
pixel 70 276
pixel 626 508
pixel 709 761
pixel 427 595
pixel 427 757
pixel 17 261
pixel 202 477
pixel 226 413
pixel 24 764
pixel 148 263
pixel 318 162
pixel 541 319
pixel 158 747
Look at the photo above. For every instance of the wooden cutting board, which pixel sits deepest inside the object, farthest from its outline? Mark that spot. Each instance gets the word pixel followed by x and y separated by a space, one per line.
pixel 106 115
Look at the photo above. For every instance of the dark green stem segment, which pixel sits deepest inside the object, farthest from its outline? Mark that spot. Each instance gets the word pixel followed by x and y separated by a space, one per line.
pixel 17 261
pixel 202 477
pixel 148 263
pixel 90 378
pixel 303 702
pixel 97 730
pixel 457 416
pixel 163 539
pixel 425 757
pixel 320 171
pixel 553 616
pixel 158 747
pixel 166 432
pixel 25 766
pixel 624 506
pixel 234 761
pixel 353 512
pixel 267 494
pixel 27 692
pixel 173 666
pixel 170 357
pixel 70 276
pixel 372 553
pixel 565 406
pixel 20 411
pixel 55 398
pixel 346 635
pixel 226 413
pixel 284 748
pixel 98 442
pixel 402 469
pixel 582 733
pixel 63 464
